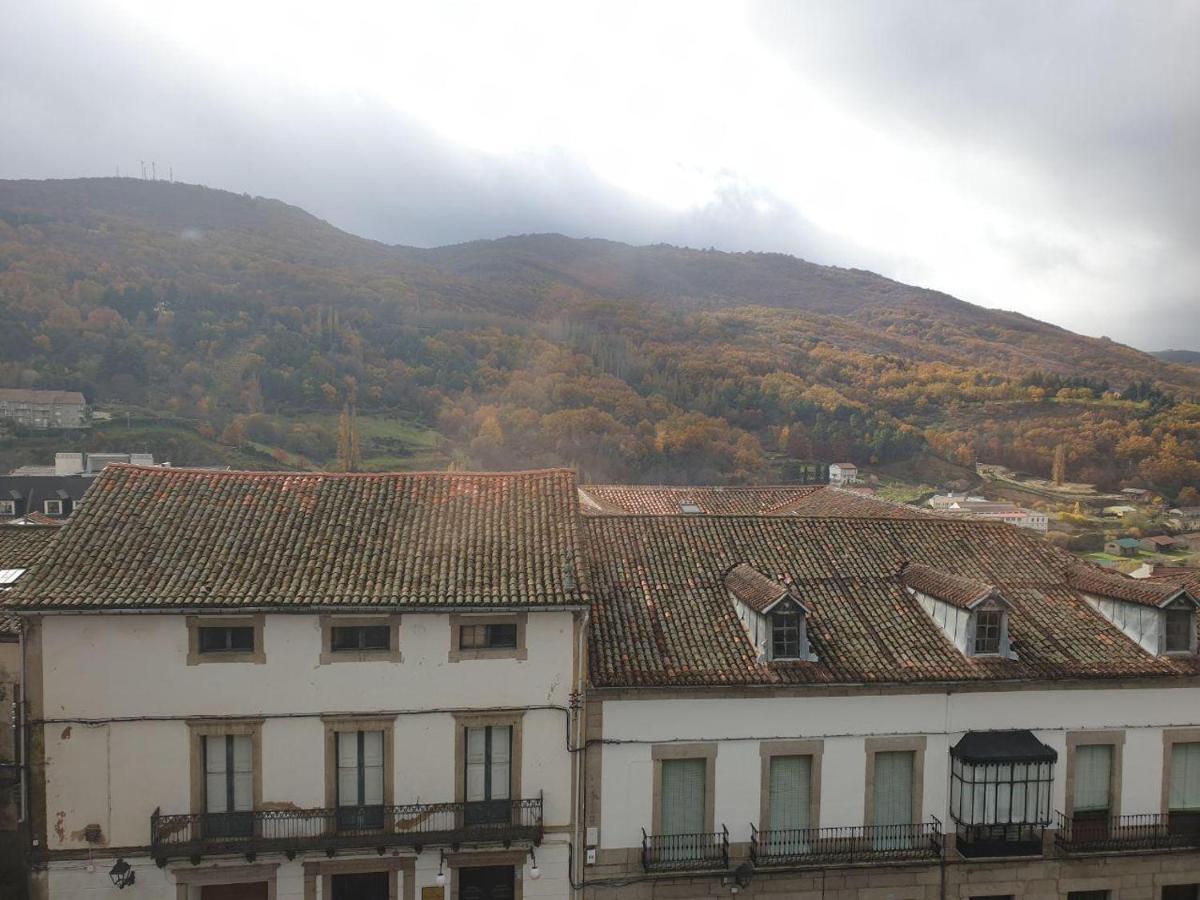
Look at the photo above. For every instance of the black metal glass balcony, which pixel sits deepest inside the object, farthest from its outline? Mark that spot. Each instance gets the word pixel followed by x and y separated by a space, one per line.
pixel 685 852
pixel 291 830
pixel 853 844
pixel 1126 834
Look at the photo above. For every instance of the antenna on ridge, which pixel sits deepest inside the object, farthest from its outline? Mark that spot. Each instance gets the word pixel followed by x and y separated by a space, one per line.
pixel 143 162
pixel 153 171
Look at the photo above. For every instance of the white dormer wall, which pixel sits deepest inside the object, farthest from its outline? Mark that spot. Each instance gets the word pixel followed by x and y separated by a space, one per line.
pixel 1142 624
pixel 758 627
pixel 953 620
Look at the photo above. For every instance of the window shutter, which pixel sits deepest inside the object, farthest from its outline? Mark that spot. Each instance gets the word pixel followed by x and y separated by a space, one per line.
pixel 683 796
pixel 215 797
pixel 501 761
pixel 1185 776
pixel 476 763
pixel 1093 776
pixel 347 768
pixel 791 783
pixel 372 768
pixel 893 787
pixel 243 773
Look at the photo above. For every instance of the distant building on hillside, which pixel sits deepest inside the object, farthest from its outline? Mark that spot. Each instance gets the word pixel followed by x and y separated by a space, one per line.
pixel 1122 547
pixel 1160 543
pixel 1138 495
pixel 1186 517
pixel 1119 511
pixel 43 409
pixel 991 509
pixel 843 473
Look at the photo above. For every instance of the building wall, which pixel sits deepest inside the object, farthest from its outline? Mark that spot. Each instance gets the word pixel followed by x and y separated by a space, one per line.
pixel 739 725
pixel 115 773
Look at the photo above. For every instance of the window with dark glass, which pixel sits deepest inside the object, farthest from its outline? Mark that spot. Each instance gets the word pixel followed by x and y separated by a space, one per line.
pixel 488 637
pixel 1087 895
pixel 354 638
pixel 1180 628
pixel 488 774
pixel 226 639
pixel 988 623
pixel 52 507
pixel 785 633
pixel 1181 892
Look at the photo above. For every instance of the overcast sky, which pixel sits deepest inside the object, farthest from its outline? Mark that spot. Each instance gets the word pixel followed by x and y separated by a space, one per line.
pixel 1037 156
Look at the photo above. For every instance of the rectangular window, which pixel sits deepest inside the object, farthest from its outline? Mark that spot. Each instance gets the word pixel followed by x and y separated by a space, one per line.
pixel 360 778
pixel 1184 791
pixel 488 637
pixel 1093 781
pixel 52 507
pixel 1087 895
pixel 893 787
pixel 488 774
pixel 785 634
pixel 1181 892
pixel 1180 629
pixel 987 631
pixel 226 639
pixel 356 638
pixel 229 785
pixel 8 507
pixel 790 795
pixel 683 796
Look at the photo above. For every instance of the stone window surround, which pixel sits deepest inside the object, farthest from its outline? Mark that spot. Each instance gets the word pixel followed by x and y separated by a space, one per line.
pixel 463 721
pixel 257 621
pixel 769 749
pixel 1171 737
pixel 329 655
pixel 200 729
pixel 457 620
pixel 395 866
pixel 514 858
pixel 706 751
pixel 335 724
pixel 185 879
pixel 1116 739
pixel 915 744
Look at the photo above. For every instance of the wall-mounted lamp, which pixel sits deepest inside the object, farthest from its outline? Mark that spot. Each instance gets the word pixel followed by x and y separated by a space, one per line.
pixel 441 875
pixel 122 874
pixel 534 872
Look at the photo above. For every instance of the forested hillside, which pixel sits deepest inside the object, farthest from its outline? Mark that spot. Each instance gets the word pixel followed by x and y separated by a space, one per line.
pixel 258 324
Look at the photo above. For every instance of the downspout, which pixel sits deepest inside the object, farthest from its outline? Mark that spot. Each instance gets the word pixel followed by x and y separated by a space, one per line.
pixel 581 758
pixel 20 742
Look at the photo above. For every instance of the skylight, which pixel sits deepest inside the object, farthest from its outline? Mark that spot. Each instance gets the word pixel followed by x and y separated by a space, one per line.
pixel 690 509
pixel 9 576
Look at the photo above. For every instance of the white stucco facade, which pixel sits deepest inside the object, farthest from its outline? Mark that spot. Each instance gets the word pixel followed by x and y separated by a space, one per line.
pixel 118 694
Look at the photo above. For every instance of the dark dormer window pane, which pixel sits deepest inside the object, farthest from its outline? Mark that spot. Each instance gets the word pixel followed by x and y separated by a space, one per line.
pixel 488 637
pixel 987 631
pixel 1180 626
pixel 237 639
pixel 785 634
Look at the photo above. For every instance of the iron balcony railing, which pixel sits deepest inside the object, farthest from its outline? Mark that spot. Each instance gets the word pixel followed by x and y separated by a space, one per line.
pixel 1114 834
pixel 678 852
pixel 291 830
pixel 1008 839
pixel 851 844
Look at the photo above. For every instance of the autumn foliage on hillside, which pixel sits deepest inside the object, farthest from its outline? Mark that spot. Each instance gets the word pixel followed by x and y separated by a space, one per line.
pixel 635 364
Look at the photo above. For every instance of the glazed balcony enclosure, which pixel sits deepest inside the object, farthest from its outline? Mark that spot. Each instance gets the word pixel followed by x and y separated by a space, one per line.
pixel 416 825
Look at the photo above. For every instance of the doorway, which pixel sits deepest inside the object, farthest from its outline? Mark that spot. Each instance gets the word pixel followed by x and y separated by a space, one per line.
pixel 361 886
pixel 486 883
pixel 254 890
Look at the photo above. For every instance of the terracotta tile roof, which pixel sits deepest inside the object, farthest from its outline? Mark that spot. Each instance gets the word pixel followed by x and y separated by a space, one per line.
pixel 799 500
pixel 956 590
pixel 150 537
pixel 752 587
pixel 34 518
pixel 661 613
pixel 1106 583
pixel 21 546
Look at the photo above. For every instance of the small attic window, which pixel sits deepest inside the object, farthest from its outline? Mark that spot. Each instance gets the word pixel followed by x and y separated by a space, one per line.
pixel 690 509
pixel 989 625
pixel 787 632
pixel 1179 630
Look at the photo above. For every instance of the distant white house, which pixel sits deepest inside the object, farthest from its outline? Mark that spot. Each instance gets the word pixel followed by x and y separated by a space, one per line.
pixel 991 509
pixel 843 473
pixel 43 409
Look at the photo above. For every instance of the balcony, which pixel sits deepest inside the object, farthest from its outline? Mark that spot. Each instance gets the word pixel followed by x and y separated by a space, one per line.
pixel 1127 834
pixel 292 830
pixel 845 846
pixel 1011 839
pixel 685 852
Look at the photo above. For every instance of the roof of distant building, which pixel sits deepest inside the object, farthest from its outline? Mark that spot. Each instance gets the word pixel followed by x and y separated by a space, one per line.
pixel 777 500
pixel 24 395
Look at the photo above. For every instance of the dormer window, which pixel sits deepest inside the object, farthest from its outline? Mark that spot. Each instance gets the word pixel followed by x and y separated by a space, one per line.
pixel 1179 630
pixel 786 632
pixel 989 632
